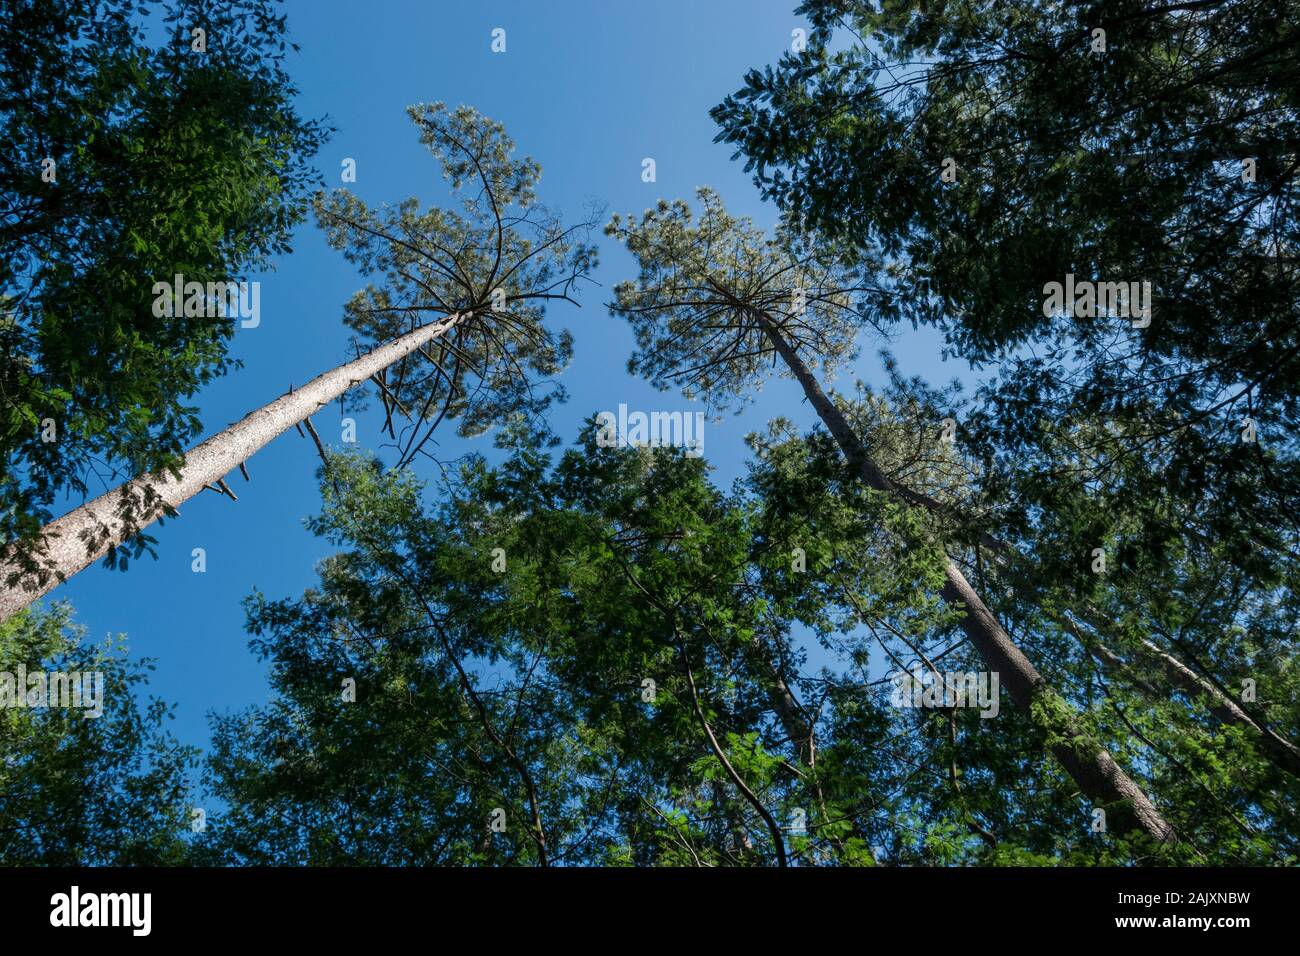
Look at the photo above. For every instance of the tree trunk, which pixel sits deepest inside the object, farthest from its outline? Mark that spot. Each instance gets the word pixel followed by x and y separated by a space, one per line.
pixel 795 721
pixel 798 729
pixel 1284 754
pixel 80 537
pixel 1280 750
pixel 1090 765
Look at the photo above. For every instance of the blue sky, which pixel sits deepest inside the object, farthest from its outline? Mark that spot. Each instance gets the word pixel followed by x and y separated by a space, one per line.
pixel 588 88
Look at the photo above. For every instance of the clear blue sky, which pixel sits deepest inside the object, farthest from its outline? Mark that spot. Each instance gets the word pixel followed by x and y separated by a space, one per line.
pixel 586 87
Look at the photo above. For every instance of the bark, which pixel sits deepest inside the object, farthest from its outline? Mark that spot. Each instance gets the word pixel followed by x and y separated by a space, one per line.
pixel 1090 765
pixel 82 536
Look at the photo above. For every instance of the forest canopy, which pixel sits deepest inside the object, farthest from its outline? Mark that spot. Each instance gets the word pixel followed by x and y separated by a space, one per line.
pixel 1044 614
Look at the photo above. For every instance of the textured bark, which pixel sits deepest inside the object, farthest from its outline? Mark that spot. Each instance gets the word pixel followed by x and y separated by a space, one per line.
pixel 85 534
pixel 1091 766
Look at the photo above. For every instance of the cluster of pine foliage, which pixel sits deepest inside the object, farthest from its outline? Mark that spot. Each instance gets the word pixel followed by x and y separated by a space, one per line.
pixel 566 653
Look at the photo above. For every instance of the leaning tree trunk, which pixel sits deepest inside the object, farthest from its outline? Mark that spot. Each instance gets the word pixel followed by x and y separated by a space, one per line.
pixel 1086 761
pixel 80 537
pixel 1280 750
pixel 1284 754
pixel 797 727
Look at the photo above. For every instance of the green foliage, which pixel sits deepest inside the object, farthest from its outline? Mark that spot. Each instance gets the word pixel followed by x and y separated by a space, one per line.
pixel 1123 164
pixel 709 286
pixel 167 161
pixel 503 257
pixel 597 656
pixel 516 679
pixel 87 791
pixel 1126 163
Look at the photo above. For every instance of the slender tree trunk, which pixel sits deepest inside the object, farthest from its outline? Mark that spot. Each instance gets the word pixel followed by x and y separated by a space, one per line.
pixel 1284 754
pixel 778 838
pixel 791 716
pixel 1089 764
pixel 795 721
pixel 1280 750
pixel 82 536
